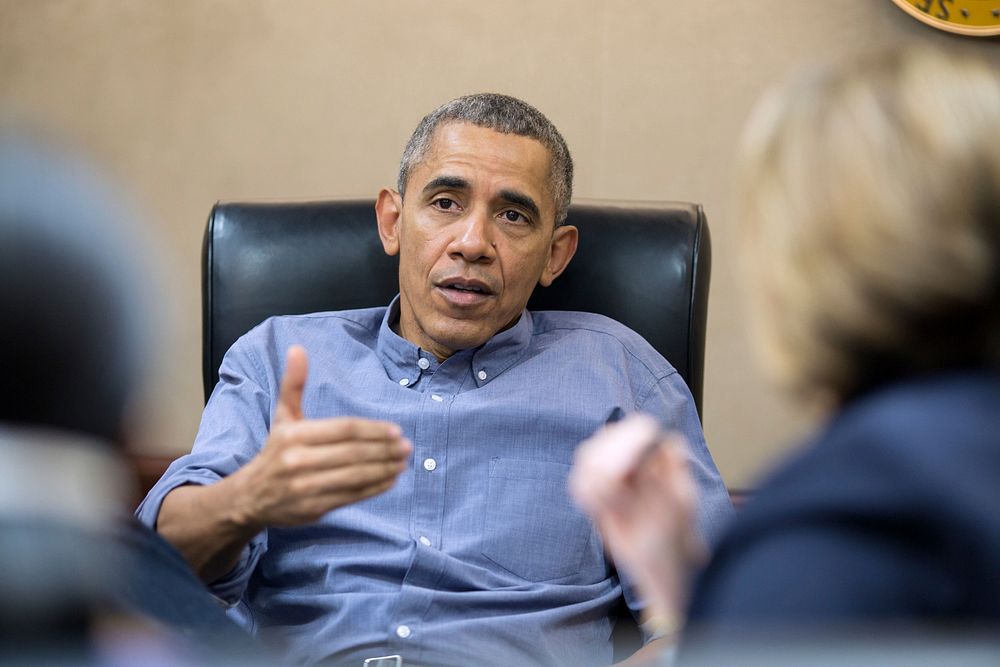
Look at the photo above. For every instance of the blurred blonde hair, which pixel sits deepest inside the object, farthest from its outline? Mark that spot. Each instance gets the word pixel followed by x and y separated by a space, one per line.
pixel 871 202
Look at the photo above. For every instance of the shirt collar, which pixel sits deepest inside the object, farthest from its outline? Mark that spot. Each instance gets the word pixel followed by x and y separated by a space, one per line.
pixel 405 362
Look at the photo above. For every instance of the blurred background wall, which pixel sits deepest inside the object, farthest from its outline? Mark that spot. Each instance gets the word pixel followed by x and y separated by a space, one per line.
pixel 191 101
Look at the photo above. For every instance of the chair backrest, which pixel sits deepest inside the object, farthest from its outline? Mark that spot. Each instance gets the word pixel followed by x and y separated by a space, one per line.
pixel 646 265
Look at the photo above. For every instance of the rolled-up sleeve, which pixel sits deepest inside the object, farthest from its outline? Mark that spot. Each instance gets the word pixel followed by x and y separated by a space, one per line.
pixel 233 428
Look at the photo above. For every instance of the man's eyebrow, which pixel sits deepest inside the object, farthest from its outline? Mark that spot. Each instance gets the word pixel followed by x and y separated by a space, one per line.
pixel 450 182
pixel 522 200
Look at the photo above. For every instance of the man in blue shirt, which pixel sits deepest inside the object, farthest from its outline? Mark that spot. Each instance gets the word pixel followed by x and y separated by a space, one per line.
pixel 411 498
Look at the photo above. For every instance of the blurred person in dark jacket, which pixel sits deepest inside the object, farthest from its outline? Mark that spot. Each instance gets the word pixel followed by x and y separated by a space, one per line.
pixel 871 211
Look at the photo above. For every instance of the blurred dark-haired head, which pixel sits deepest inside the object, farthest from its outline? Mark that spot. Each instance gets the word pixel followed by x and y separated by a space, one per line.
pixel 69 340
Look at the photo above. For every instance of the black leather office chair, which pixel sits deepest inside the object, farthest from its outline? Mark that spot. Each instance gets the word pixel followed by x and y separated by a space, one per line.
pixel 646 265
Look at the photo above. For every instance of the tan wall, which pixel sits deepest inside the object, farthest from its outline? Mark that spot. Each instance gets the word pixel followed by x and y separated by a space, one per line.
pixel 191 101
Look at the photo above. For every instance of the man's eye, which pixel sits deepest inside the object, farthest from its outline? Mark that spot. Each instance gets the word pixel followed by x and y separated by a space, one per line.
pixel 444 203
pixel 513 216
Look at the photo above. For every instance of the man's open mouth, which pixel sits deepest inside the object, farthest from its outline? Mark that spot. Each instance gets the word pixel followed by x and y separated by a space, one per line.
pixel 467 288
pixel 465 292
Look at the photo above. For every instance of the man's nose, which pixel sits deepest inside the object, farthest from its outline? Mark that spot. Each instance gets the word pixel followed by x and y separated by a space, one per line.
pixel 473 239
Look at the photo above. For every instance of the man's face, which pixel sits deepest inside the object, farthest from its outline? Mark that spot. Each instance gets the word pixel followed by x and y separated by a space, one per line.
pixel 475 234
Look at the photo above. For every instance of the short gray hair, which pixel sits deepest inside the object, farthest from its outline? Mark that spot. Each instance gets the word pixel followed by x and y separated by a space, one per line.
pixel 504 114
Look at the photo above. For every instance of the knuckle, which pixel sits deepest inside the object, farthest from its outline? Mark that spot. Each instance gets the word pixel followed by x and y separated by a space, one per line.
pixel 287 433
pixel 278 434
pixel 299 486
pixel 367 454
pixel 367 474
pixel 376 473
pixel 347 427
pixel 292 459
pixel 355 452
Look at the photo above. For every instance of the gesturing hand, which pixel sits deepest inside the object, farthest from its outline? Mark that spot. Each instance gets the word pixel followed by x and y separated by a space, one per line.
pixel 308 467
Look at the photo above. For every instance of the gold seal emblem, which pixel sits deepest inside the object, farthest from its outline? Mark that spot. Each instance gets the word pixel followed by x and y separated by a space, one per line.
pixel 976 18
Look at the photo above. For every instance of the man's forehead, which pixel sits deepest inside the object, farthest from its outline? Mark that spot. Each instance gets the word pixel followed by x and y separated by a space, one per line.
pixel 457 145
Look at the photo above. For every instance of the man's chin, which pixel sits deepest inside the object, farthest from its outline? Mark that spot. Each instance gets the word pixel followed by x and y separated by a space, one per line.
pixel 466 334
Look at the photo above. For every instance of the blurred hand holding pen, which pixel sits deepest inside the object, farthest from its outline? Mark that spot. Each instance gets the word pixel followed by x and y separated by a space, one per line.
pixel 633 481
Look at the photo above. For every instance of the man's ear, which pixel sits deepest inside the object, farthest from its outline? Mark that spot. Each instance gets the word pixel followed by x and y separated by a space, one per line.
pixel 563 248
pixel 388 211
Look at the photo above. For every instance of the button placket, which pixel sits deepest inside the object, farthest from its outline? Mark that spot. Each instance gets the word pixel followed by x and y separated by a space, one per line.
pixel 430 441
pixel 430 453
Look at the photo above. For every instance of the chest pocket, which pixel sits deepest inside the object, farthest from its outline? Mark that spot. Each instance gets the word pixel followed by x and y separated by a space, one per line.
pixel 531 527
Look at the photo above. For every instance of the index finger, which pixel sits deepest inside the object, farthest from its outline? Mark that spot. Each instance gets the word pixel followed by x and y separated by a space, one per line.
pixel 343 429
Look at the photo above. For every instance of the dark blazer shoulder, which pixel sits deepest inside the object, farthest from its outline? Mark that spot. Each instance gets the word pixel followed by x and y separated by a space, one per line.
pixel 889 510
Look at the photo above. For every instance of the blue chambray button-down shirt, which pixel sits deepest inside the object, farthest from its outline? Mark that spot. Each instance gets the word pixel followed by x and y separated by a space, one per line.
pixel 477 555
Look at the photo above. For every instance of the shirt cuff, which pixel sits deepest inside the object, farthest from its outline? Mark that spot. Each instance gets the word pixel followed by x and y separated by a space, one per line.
pixel 228 589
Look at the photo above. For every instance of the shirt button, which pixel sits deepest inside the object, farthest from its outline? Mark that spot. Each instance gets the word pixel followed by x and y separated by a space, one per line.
pixel 424 541
pixel 403 631
pixel 423 363
pixel 430 464
pixel 482 375
pixel 404 381
pixel 437 398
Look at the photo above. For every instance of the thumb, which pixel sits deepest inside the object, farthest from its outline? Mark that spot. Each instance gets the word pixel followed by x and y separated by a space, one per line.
pixel 289 407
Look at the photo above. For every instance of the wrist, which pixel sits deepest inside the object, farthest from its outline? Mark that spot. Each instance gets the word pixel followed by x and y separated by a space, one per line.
pixel 240 515
pixel 662 625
